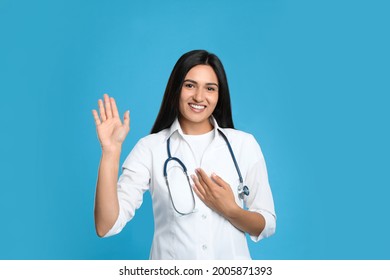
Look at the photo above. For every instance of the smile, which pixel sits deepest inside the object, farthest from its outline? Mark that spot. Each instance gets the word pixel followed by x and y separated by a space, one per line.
pixel 197 107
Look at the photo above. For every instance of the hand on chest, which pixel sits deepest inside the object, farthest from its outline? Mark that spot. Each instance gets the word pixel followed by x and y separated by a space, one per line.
pixel 213 158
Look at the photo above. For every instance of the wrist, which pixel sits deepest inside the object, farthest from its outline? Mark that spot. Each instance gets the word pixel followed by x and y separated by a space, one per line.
pixel 111 151
pixel 233 212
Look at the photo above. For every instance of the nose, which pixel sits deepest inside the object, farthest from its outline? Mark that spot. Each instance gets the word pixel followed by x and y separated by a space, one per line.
pixel 198 95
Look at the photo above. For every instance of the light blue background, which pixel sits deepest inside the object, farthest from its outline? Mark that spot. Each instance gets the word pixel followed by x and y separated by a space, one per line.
pixel 310 79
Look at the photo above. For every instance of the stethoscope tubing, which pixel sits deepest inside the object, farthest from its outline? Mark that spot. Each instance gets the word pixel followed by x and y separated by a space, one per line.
pixel 233 157
pixel 242 190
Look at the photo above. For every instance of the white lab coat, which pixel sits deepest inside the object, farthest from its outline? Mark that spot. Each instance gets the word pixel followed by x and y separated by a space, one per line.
pixel 203 234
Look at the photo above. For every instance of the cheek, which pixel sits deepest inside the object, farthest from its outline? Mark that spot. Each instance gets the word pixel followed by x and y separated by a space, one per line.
pixel 214 100
pixel 184 95
pixel 183 100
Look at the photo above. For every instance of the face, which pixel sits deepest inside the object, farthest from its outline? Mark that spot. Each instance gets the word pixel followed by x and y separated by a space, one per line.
pixel 198 98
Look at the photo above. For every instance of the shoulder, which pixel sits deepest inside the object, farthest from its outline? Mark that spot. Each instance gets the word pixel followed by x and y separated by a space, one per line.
pixel 238 136
pixel 243 141
pixel 145 148
pixel 154 139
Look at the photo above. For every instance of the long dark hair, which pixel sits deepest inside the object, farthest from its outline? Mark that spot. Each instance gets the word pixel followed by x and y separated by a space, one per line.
pixel 169 109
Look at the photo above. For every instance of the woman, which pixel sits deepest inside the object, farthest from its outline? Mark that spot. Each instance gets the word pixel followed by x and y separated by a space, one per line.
pixel 201 216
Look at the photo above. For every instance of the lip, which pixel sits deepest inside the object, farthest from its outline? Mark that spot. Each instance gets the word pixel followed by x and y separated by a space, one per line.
pixel 198 108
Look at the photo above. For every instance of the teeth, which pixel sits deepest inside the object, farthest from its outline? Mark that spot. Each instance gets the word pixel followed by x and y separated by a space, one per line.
pixel 199 107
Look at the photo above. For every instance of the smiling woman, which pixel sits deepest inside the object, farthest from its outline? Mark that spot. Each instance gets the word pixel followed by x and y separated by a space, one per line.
pixel 198 99
pixel 194 133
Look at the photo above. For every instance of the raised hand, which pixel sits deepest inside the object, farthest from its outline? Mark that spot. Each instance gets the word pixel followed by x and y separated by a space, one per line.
pixel 110 129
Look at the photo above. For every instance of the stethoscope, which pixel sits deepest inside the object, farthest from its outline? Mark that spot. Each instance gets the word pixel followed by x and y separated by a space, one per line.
pixel 241 189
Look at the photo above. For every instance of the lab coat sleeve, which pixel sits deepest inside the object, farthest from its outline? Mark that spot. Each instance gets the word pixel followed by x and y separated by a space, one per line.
pixel 260 198
pixel 132 184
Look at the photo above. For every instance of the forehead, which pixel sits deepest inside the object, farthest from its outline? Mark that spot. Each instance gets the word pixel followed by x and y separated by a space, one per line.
pixel 202 73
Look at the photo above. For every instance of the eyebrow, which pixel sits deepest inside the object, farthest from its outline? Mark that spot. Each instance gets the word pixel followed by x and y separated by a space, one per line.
pixel 195 82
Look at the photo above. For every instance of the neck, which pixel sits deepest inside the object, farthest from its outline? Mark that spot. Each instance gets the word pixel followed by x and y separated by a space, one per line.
pixel 191 128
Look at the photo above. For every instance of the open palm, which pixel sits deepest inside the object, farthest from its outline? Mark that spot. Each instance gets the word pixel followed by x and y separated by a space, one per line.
pixel 110 129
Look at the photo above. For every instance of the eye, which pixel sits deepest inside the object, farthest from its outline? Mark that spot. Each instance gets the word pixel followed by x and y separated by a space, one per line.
pixel 189 85
pixel 211 89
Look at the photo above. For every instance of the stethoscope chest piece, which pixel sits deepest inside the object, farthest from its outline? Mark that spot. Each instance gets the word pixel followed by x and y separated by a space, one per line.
pixel 242 190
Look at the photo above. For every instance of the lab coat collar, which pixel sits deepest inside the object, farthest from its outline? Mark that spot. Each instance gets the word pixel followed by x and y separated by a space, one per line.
pixel 175 127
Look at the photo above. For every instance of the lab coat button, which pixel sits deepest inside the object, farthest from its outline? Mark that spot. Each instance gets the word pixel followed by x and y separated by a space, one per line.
pixel 204 247
pixel 204 216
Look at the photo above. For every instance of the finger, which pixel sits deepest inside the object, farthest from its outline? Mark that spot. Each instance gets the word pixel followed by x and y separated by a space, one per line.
pixel 102 110
pixel 198 193
pixel 202 185
pixel 107 104
pixel 96 117
pixel 115 113
pixel 198 185
pixel 204 179
pixel 126 119
pixel 206 183
pixel 219 181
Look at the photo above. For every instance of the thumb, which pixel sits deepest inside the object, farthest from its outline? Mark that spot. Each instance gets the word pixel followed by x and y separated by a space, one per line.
pixel 126 119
